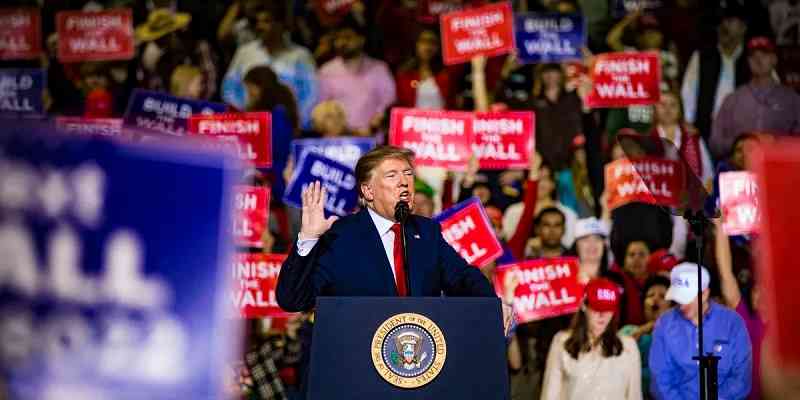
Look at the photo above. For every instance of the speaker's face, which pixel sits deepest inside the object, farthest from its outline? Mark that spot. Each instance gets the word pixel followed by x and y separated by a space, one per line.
pixel 392 181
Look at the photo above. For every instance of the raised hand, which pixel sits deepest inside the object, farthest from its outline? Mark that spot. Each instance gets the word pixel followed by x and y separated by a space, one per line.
pixel 313 221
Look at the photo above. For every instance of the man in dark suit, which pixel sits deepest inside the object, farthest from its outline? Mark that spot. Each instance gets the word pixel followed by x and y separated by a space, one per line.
pixel 360 254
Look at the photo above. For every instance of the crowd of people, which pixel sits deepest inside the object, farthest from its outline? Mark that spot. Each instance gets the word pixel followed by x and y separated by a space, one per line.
pixel 725 89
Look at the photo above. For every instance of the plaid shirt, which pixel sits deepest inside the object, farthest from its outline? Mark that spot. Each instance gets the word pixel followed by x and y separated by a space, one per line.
pixel 266 359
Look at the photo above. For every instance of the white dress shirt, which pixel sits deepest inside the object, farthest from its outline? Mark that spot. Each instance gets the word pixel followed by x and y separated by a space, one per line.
pixel 382 225
pixel 705 156
pixel 691 83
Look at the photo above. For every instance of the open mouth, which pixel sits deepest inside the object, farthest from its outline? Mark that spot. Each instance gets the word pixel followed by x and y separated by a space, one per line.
pixel 405 196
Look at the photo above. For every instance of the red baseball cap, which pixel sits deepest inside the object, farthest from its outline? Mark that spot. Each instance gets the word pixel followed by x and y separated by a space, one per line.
pixel 661 260
pixel 762 43
pixel 602 295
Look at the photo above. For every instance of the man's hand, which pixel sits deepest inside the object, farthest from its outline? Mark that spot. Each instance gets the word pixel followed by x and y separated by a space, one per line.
pixel 508 318
pixel 313 221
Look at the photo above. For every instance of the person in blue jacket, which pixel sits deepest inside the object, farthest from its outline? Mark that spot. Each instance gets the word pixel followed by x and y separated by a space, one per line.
pixel 674 374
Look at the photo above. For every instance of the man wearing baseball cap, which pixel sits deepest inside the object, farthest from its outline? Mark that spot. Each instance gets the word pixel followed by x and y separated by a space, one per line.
pixel 763 105
pixel 675 374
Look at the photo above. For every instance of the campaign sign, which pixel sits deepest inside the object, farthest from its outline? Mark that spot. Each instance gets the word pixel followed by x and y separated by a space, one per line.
pixel 346 150
pixel 487 30
pixel 437 138
pixel 249 134
pixel 21 93
pixel 620 8
pixel 777 169
pixel 541 288
pixel 250 213
pixel 108 127
pixel 503 140
pixel 738 197
pixel 95 35
pixel 338 179
pixel 625 79
pixel 470 233
pixel 549 37
pixel 114 260
pixel 645 180
pixel 161 113
pixel 21 37
pixel 255 276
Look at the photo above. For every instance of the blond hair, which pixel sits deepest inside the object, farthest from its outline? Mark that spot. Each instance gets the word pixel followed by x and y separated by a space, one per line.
pixel 324 108
pixel 368 162
pixel 181 77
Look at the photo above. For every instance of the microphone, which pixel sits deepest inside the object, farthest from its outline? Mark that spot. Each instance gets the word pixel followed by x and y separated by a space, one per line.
pixel 401 211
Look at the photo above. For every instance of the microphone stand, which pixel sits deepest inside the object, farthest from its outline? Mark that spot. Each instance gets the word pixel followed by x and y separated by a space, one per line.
pixel 401 213
pixel 707 363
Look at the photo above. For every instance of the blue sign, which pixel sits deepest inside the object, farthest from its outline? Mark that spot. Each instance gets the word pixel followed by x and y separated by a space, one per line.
pixel 549 37
pixel 21 93
pixel 156 112
pixel 337 178
pixel 112 270
pixel 346 150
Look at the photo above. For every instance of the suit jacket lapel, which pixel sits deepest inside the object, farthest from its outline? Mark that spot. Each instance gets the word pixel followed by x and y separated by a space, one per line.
pixel 414 245
pixel 373 247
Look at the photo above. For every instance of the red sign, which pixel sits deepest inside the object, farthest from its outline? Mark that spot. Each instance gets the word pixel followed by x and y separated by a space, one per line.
pixel 246 134
pixel 255 276
pixel 503 140
pixel 645 180
pixel 438 138
pixel 108 127
pixel 542 288
pixel 487 30
pixel 95 35
pixel 21 37
pixel 250 215
pixel 778 170
pixel 625 79
pixel 738 197
pixel 472 236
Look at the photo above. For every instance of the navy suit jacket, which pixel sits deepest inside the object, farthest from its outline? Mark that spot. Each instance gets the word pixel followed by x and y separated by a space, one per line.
pixel 350 260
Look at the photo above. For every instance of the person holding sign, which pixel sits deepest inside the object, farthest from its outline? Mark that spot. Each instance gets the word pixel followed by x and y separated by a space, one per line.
pixel 591 360
pixel 359 255
pixel 745 299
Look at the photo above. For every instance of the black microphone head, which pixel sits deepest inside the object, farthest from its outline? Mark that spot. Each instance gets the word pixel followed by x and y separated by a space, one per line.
pixel 401 211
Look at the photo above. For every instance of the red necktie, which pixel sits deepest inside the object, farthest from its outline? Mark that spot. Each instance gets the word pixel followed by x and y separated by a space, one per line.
pixel 399 272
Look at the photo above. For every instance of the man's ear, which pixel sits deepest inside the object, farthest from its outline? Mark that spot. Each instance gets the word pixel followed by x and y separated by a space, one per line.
pixel 366 191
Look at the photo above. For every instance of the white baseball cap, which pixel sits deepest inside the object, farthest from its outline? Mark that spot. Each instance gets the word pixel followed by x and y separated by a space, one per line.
pixel 683 283
pixel 590 226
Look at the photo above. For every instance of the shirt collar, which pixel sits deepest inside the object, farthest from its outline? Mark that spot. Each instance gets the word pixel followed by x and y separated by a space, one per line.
pixel 382 224
pixel 734 56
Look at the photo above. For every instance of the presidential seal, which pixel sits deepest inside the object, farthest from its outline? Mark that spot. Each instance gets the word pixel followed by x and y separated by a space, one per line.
pixel 408 350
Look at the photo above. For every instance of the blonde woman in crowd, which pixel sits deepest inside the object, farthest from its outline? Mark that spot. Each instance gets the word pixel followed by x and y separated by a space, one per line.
pixel 187 82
